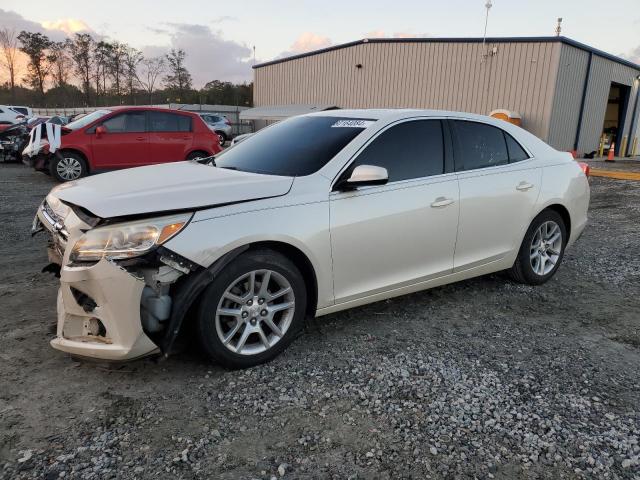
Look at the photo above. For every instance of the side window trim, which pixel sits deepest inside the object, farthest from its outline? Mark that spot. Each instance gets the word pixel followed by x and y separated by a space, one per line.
pixel 362 148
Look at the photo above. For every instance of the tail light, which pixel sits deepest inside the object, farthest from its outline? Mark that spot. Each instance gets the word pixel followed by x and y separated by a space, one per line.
pixel 585 168
pixel 226 120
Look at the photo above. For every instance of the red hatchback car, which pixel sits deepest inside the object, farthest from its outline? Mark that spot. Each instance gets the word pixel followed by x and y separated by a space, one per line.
pixel 123 137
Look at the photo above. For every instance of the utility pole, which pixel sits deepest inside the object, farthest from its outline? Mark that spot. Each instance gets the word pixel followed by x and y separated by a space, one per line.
pixel 488 6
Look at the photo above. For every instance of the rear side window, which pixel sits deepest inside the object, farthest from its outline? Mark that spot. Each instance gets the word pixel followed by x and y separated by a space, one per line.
pixel 169 122
pixel 130 122
pixel 408 150
pixel 516 152
pixel 479 146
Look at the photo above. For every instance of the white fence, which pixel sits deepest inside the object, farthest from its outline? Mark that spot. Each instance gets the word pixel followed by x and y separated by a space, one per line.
pixel 229 111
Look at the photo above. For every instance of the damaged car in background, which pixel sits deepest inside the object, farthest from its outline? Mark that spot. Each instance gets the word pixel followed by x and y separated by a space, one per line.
pixel 316 214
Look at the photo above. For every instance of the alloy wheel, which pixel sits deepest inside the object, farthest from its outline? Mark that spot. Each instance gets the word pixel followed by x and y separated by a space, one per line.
pixel 255 312
pixel 546 246
pixel 69 168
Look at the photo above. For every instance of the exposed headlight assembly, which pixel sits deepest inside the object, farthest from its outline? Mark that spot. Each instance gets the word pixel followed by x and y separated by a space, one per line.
pixel 127 240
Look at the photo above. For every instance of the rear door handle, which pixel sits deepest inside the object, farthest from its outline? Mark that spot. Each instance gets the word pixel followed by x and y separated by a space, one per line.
pixel 140 139
pixel 441 202
pixel 524 186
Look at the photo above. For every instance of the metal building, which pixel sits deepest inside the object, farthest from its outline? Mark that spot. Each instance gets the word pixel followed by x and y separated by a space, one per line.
pixel 567 93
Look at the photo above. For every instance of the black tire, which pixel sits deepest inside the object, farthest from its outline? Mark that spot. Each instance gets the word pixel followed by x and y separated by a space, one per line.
pixel 195 155
pixel 223 138
pixel 212 296
pixel 77 160
pixel 522 270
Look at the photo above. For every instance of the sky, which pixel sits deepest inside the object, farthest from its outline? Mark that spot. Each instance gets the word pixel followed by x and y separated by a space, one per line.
pixel 219 36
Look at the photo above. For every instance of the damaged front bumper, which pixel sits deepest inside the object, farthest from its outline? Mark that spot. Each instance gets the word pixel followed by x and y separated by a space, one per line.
pixel 106 310
pixel 99 313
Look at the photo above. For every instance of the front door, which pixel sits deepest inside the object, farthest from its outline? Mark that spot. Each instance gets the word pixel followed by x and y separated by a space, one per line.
pixel 401 233
pixel 124 144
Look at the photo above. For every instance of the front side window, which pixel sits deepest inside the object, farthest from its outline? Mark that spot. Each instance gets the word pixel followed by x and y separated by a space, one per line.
pixel 87 119
pixel 479 146
pixel 295 147
pixel 132 122
pixel 169 122
pixel 408 150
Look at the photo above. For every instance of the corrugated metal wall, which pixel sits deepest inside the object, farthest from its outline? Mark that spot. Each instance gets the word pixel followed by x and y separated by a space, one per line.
pixel 568 96
pixel 572 70
pixel 521 76
pixel 603 72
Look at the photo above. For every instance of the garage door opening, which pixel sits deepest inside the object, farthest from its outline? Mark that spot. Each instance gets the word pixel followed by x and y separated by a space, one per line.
pixel 615 115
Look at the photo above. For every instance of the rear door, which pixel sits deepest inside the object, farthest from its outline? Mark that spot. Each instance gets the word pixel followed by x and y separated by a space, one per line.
pixel 171 136
pixel 125 143
pixel 499 187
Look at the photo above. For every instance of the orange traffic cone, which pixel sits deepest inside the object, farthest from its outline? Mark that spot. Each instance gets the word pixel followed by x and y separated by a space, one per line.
pixel 611 152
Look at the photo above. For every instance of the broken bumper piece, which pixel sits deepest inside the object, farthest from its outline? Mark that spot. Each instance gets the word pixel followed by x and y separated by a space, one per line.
pixel 99 313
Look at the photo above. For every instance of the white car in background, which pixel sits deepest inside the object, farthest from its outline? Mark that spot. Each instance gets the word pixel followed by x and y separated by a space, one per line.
pixel 316 214
pixel 8 114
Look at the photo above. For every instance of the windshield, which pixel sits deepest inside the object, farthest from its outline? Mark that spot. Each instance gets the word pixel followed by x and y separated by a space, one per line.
pixel 87 119
pixel 295 147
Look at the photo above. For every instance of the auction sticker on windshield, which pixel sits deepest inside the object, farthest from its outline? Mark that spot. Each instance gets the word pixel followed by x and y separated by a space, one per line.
pixel 352 123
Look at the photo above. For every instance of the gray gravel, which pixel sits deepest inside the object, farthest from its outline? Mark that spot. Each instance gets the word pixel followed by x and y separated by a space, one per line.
pixel 481 379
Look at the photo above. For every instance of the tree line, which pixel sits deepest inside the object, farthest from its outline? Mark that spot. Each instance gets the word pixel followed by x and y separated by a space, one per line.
pixel 84 72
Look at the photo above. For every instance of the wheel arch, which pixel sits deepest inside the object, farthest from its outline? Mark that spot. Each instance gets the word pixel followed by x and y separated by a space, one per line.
pixel 194 150
pixel 190 288
pixel 564 214
pixel 77 152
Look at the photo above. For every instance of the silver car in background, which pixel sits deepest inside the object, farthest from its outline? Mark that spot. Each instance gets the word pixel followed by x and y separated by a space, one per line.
pixel 316 214
pixel 220 125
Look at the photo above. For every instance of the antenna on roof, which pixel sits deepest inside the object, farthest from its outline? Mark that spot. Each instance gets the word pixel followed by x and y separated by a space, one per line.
pixel 488 6
pixel 559 27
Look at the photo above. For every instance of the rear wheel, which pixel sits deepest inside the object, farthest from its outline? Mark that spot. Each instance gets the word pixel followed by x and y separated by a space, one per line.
pixel 197 155
pixel 542 249
pixel 253 310
pixel 67 166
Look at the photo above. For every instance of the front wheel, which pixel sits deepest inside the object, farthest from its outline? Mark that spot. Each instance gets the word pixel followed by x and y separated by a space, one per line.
pixel 222 138
pixel 253 310
pixel 542 249
pixel 66 166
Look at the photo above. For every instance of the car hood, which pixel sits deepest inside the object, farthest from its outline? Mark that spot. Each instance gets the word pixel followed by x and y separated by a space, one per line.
pixel 168 187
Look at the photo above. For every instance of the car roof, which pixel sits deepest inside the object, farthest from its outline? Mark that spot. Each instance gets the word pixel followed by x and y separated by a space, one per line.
pixel 152 109
pixel 390 114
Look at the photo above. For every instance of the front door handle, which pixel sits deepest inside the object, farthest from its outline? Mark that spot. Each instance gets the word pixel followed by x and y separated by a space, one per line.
pixel 140 139
pixel 524 186
pixel 441 202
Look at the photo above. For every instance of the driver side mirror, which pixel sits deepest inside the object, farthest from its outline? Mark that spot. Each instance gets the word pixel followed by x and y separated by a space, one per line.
pixel 363 176
pixel 100 130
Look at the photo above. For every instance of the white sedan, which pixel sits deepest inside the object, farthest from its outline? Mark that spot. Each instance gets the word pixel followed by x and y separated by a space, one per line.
pixel 314 215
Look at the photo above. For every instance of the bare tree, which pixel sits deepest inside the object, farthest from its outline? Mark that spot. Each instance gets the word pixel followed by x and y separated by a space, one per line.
pixel 117 66
pixel 150 71
pixel 8 56
pixel 178 78
pixel 61 63
pixel 36 46
pixel 132 59
pixel 81 48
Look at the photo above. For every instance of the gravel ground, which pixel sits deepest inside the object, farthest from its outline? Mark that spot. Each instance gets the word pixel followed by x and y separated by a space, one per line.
pixel 481 379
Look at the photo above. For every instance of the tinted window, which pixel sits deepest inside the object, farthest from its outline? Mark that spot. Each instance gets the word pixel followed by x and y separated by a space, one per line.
pixel 516 152
pixel 408 150
pixel 169 122
pixel 126 123
pixel 24 111
pixel 479 146
pixel 294 147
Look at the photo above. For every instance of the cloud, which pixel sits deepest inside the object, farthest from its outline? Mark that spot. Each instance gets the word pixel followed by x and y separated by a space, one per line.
pixel 633 55
pixel 383 34
pixel 67 25
pixel 306 42
pixel 56 30
pixel 209 55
